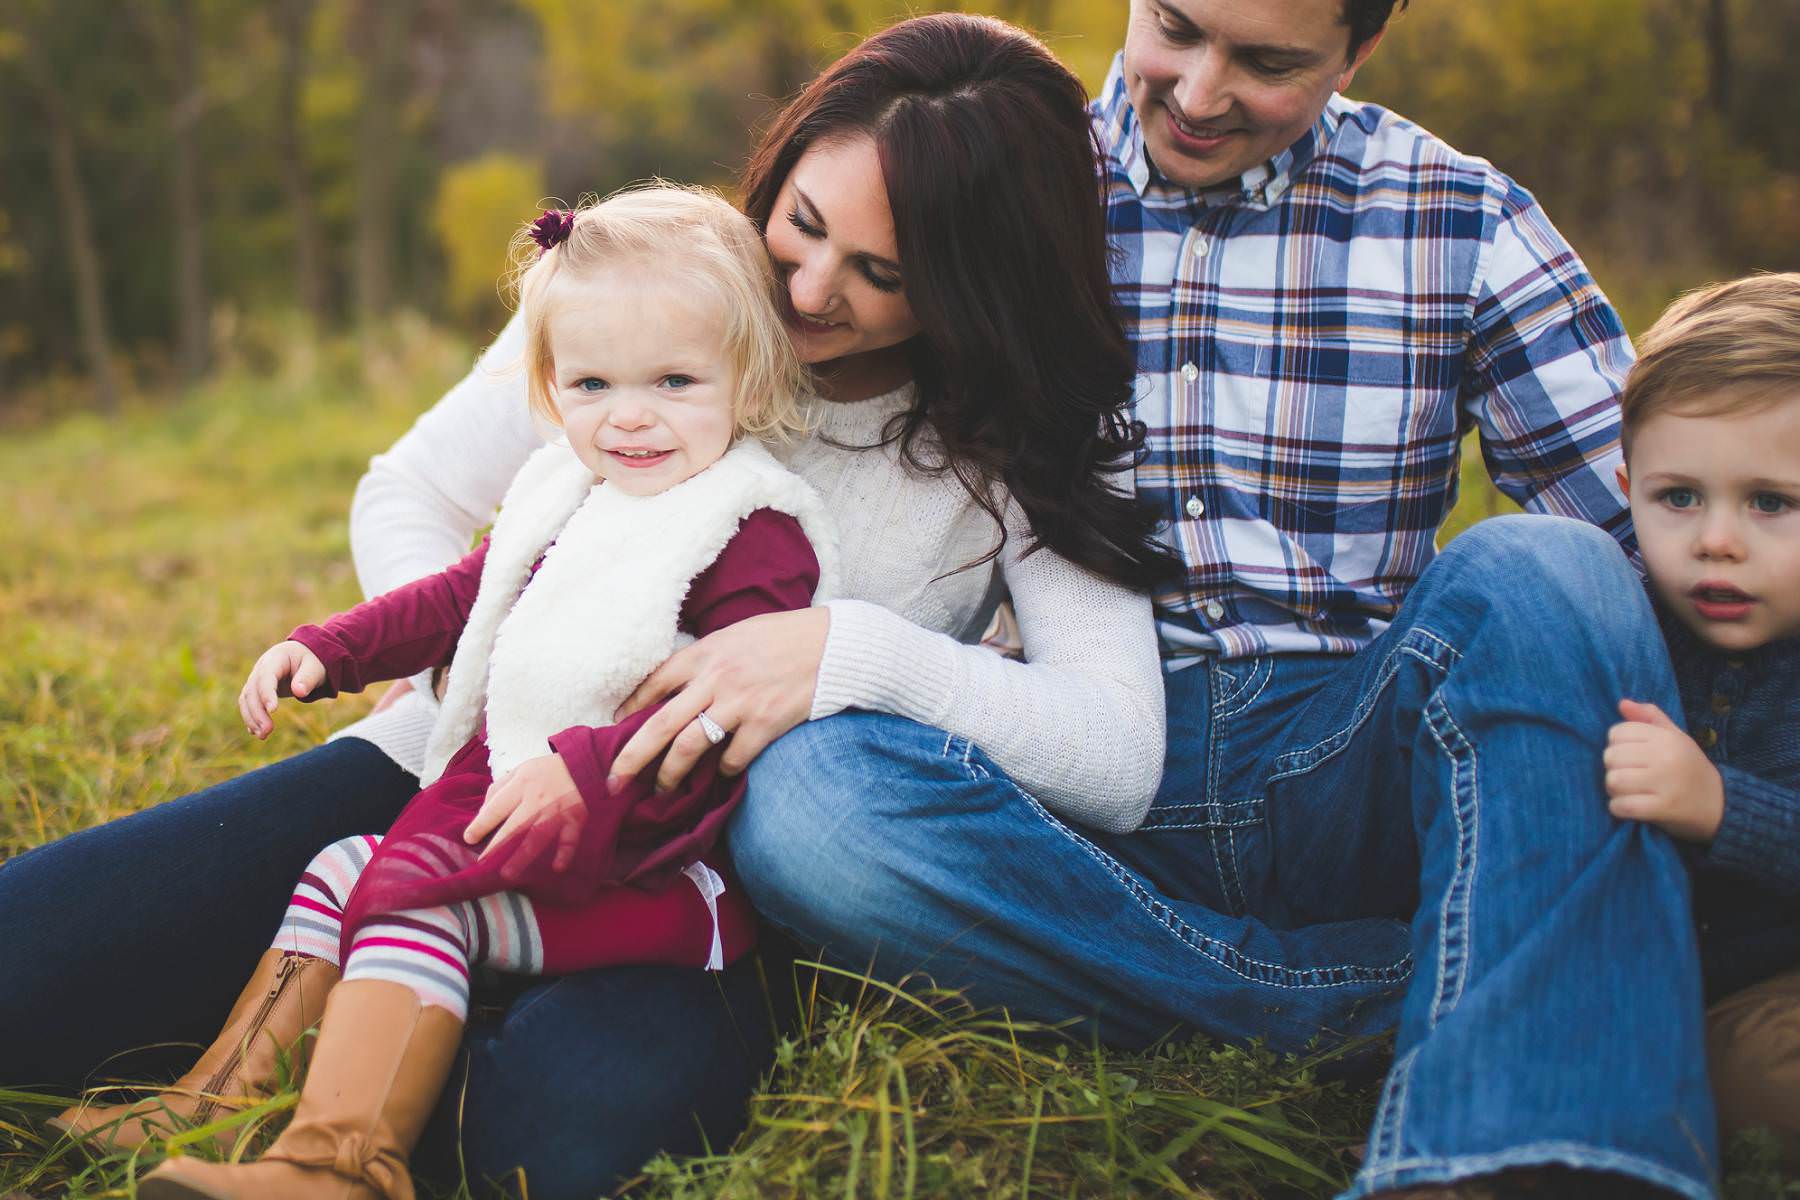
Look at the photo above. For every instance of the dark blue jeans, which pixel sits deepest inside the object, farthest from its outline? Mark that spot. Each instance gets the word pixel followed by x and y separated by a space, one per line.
pixel 142 931
pixel 1412 837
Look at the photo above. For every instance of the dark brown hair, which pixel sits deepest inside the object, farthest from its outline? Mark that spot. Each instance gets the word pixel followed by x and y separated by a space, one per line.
pixel 1366 18
pixel 1022 368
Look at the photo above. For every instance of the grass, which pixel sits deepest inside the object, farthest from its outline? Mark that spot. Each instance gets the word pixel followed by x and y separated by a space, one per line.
pixel 155 553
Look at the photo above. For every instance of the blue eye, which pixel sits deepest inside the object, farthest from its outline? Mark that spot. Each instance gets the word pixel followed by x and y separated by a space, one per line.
pixel 1770 503
pixel 678 381
pixel 590 384
pixel 1680 498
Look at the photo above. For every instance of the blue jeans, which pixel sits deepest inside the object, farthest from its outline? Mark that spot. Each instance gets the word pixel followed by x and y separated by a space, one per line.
pixel 144 929
pixel 1415 837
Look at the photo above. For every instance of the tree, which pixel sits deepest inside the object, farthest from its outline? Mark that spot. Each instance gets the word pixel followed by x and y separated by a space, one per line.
pixel 167 27
pixel 29 50
pixel 380 42
pixel 294 21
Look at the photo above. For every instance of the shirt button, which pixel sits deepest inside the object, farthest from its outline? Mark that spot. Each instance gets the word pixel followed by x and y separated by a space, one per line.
pixel 1202 246
pixel 1195 506
pixel 1720 703
pixel 1708 738
pixel 1190 372
pixel 1215 610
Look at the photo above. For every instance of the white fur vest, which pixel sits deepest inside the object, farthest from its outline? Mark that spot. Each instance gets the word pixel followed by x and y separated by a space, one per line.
pixel 601 612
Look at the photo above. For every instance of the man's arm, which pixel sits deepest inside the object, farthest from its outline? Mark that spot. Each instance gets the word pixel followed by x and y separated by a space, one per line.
pixel 1547 356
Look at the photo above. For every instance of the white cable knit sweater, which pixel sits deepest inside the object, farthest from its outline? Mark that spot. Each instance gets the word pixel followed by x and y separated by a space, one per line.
pixel 1078 724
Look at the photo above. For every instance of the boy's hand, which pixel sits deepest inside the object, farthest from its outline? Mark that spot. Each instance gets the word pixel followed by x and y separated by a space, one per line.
pixel 285 669
pixel 537 798
pixel 1655 772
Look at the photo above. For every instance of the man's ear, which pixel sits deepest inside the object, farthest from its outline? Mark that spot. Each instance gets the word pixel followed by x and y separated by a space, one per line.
pixel 1362 56
pixel 1624 480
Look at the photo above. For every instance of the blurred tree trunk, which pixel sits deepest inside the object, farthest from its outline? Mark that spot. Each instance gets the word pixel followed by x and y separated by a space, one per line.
pixel 294 18
pixel 1718 55
pixel 85 268
pixel 174 49
pixel 382 43
pixel 190 225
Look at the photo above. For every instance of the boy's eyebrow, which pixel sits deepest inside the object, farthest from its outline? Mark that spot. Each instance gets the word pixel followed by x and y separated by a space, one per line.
pixel 817 218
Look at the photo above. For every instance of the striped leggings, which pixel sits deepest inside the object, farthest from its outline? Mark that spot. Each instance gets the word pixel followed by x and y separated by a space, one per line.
pixel 430 950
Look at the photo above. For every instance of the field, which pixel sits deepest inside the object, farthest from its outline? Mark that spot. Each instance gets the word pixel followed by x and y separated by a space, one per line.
pixel 156 552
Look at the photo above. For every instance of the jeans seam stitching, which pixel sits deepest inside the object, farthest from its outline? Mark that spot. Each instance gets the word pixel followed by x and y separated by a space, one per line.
pixel 1304 759
pixel 1209 948
pixel 1384 1140
pixel 1459 897
pixel 1260 677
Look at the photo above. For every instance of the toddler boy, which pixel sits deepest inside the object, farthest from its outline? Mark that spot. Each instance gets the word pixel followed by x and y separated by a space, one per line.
pixel 1712 446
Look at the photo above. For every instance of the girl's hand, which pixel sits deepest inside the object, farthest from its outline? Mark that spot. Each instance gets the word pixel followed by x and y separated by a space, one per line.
pixel 285 669
pixel 538 797
pixel 1655 772
pixel 755 678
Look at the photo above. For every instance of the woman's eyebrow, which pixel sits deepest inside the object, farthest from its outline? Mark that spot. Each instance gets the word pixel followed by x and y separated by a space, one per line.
pixel 817 218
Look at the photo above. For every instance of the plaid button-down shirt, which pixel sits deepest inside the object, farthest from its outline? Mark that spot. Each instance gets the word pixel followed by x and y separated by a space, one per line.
pixel 1313 341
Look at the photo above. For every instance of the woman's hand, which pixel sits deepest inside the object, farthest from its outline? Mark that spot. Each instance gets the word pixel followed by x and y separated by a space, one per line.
pixel 285 669
pixel 539 797
pixel 755 678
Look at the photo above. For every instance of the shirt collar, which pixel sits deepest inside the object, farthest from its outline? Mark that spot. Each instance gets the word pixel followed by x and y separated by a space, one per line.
pixel 1260 187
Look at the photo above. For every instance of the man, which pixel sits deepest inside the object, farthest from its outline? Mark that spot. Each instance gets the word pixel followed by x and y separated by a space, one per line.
pixel 1383 801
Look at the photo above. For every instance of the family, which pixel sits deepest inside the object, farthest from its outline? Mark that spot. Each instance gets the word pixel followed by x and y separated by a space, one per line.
pixel 1184 372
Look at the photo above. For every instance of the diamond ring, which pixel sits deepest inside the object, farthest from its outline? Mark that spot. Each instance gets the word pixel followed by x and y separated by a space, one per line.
pixel 715 732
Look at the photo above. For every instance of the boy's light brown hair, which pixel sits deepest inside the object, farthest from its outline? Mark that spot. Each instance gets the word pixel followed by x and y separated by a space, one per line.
pixel 1727 348
pixel 693 238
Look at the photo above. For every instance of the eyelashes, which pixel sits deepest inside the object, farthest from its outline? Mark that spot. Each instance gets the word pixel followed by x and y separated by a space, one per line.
pixel 807 230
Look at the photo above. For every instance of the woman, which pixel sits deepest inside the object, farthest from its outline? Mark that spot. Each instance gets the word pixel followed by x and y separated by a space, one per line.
pixel 931 204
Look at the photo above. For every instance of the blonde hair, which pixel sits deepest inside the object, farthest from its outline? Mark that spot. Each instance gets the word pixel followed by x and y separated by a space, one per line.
pixel 694 236
pixel 1727 348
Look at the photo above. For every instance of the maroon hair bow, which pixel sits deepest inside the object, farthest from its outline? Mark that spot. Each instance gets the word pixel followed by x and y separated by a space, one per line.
pixel 552 229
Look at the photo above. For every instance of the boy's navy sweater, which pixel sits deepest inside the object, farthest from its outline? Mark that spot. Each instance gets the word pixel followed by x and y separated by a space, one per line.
pixel 1744 711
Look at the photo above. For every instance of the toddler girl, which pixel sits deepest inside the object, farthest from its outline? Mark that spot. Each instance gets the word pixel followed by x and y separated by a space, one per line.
pixel 655 342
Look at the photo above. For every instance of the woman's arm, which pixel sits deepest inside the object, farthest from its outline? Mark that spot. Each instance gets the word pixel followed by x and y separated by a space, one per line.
pixel 1079 723
pixel 420 502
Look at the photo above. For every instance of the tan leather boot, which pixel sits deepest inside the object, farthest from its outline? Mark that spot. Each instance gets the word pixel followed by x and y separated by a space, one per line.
pixel 381 1060
pixel 284 998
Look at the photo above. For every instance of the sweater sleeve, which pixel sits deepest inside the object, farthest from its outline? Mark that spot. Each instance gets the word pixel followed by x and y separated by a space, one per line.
pixel 769 566
pixel 398 633
pixel 420 502
pixel 1760 834
pixel 1078 723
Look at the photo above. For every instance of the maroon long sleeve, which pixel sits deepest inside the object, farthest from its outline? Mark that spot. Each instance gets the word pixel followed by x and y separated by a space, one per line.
pixel 397 633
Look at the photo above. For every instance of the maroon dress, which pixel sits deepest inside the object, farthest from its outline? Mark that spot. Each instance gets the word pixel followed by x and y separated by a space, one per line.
pixel 622 897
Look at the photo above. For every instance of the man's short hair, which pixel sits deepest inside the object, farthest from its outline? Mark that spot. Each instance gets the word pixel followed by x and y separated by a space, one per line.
pixel 1367 18
pixel 1727 348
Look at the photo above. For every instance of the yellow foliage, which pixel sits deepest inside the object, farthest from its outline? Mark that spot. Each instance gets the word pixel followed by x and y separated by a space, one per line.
pixel 480 204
